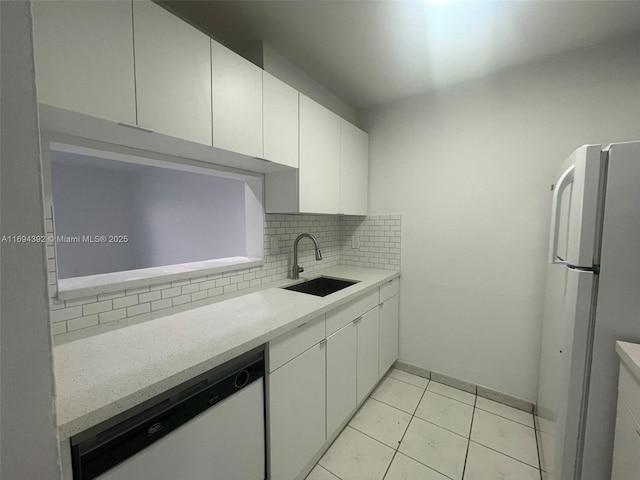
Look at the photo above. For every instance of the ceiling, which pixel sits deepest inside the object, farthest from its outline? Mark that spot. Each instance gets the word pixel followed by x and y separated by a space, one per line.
pixel 372 52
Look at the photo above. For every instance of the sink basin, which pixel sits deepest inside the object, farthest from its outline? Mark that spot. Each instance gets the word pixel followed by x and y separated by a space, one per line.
pixel 321 286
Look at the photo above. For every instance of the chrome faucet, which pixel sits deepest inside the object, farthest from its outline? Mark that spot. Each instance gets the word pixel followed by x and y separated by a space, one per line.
pixel 296 270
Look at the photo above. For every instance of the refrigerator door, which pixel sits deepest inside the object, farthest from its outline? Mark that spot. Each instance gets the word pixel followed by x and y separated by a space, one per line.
pixel 581 177
pixel 618 305
pixel 577 333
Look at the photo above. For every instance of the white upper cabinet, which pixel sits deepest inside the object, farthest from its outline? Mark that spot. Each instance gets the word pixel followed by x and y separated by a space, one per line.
pixel 354 169
pixel 319 174
pixel 84 57
pixel 237 102
pixel 173 74
pixel 280 121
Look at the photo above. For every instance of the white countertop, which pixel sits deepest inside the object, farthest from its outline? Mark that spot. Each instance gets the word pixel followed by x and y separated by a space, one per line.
pixel 101 376
pixel 630 355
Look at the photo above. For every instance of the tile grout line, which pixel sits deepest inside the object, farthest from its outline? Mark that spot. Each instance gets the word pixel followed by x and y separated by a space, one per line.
pixel 455 399
pixel 405 430
pixel 466 455
pixel 505 455
pixel 535 432
pixel 506 418
pixel 324 468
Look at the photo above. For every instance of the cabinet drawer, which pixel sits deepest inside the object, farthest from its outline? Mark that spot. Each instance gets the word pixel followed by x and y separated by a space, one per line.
pixel 389 289
pixel 629 390
pixel 293 343
pixel 338 318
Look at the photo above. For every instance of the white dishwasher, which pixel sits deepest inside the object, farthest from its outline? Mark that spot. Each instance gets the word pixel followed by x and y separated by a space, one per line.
pixel 210 428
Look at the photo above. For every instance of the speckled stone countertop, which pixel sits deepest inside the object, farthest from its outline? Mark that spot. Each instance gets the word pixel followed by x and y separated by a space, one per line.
pixel 101 376
pixel 630 356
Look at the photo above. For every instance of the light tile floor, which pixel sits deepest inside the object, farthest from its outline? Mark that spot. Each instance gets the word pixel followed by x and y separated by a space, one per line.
pixel 411 428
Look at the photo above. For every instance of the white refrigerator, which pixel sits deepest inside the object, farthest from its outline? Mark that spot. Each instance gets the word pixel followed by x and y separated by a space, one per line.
pixel 592 299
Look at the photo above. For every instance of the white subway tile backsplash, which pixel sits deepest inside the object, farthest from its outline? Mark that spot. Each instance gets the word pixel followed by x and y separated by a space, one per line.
pixel 193 287
pixel 58 328
pixel 125 301
pixel 160 304
pixel 149 297
pixel 181 299
pixel 171 292
pixel 379 247
pixel 66 314
pixel 230 288
pixel 113 315
pixel 98 307
pixel 82 322
pixel 201 295
pixel 138 309
pixel 81 301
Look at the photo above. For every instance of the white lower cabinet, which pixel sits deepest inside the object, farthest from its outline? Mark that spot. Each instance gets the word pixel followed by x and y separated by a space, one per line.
pixel 320 372
pixel 626 446
pixel 297 412
pixel 341 376
pixel 389 313
pixel 367 358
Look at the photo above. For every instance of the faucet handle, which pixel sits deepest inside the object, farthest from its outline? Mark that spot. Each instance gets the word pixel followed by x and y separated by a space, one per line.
pixel 300 269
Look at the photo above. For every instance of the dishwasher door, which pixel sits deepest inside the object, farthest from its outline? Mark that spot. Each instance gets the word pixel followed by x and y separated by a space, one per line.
pixel 225 442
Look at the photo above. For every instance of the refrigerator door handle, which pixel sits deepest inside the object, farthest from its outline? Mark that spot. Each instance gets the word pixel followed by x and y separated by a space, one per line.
pixel 563 182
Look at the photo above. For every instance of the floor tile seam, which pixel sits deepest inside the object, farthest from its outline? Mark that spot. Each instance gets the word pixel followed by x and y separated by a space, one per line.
pixel 535 433
pixel 386 404
pixel 424 464
pixel 466 454
pixel 322 466
pixel 390 463
pixel 404 433
pixel 389 405
pixel 455 399
pixel 410 420
pixel 506 418
pixel 443 428
pixel 374 438
pixel 412 384
pixel 502 453
pixel 406 383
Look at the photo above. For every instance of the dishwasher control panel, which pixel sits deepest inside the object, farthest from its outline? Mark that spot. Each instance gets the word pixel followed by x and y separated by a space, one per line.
pixel 110 443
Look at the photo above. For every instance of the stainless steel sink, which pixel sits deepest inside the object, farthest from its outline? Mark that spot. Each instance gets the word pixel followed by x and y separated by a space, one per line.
pixel 321 286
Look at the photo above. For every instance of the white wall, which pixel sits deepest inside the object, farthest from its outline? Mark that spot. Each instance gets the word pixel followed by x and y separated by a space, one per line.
pixel 28 435
pixel 469 168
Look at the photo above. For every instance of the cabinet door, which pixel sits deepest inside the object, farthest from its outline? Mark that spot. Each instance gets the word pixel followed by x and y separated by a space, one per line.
pixel 84 57
pixel 626 446
pixel 368 327
pixel 354 169
pixel 237 102
pixel 319 174
pixel 173 74
pixel 389 313
pixel 341 376
pixel 280 121
pixel 297 404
